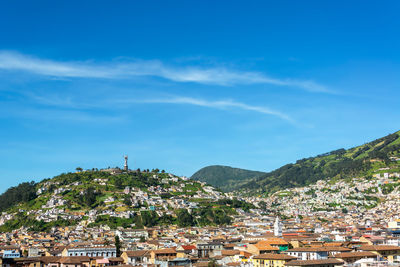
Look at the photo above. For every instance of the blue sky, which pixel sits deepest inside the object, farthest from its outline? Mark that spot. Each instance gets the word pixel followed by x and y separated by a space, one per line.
pixel 179 85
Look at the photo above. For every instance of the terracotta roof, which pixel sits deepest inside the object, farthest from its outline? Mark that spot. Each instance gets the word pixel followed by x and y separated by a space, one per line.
pixel 262 246
pixel 233 264
pixel 74 259
pixel 188 247
pixel 230 252
pixel 49 259
pixel 116 259
pixel 313 262
pixel 356 254
pixel 333 244
pixel 271 256
pixel 329 248
pixel 44 259
pixel 275 241
pixel 136 253
pixel 164 251
pixel 379 248
pixel 25 260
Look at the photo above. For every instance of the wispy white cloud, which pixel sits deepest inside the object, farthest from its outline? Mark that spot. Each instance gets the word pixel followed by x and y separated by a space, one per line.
pixel 70 103
pixel 125 70
pixel 219 104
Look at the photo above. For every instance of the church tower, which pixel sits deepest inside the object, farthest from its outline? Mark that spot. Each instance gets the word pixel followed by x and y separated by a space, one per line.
pixel 277 227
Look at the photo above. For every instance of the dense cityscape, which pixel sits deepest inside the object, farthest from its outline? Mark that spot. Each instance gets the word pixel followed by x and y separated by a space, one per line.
pixel 343 223
pixel 202 133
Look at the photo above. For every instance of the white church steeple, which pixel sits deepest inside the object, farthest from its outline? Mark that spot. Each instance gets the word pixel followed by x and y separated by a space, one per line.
pixel 277 227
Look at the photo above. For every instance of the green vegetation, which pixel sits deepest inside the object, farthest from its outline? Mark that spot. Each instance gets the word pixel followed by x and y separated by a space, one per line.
pixel 214 216
pixel 339 164
pixel 33 225
pixel 24 192
pixel 89 196
pixel 234 203
pixel 224 177
pixel 184 218
pixel 361 161
pixel 113 222
pixel 118 245
pixel 87 190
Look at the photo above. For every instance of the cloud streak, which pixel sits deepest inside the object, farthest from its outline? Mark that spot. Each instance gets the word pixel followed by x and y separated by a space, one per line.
pixel 70 103
pixel 219 104
pixel 124 70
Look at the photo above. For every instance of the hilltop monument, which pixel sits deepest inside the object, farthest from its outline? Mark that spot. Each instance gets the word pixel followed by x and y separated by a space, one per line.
pixel 126 163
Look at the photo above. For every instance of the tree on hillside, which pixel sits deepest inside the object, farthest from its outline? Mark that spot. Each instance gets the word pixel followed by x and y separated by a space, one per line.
pixel 118 245
pixel 24 192
pixel 184 218
pixel 149 218
pixel 118 183
pixel 89 196
pixel 128 201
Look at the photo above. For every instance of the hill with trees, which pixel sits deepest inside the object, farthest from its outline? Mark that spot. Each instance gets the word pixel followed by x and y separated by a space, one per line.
pixel 224 177
pixel 360 161
pixel 379 155
pixel 115 198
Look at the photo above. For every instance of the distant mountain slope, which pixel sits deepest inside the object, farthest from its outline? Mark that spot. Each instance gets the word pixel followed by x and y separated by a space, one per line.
pixel 224 177
pixel 381 155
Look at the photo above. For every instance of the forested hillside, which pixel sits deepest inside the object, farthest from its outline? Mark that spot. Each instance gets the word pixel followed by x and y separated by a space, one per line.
pixel 361 161
pixel 14 195
pixel 224 177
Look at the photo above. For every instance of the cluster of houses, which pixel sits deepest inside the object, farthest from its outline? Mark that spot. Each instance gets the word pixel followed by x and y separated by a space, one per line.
pixel 171 193
pixel 265 250
pixel 341 223
pixel 249 243
pixel 349 201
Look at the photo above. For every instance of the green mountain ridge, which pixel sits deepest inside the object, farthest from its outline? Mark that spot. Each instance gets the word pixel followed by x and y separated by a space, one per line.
pixel 224 177
pixel 361 161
